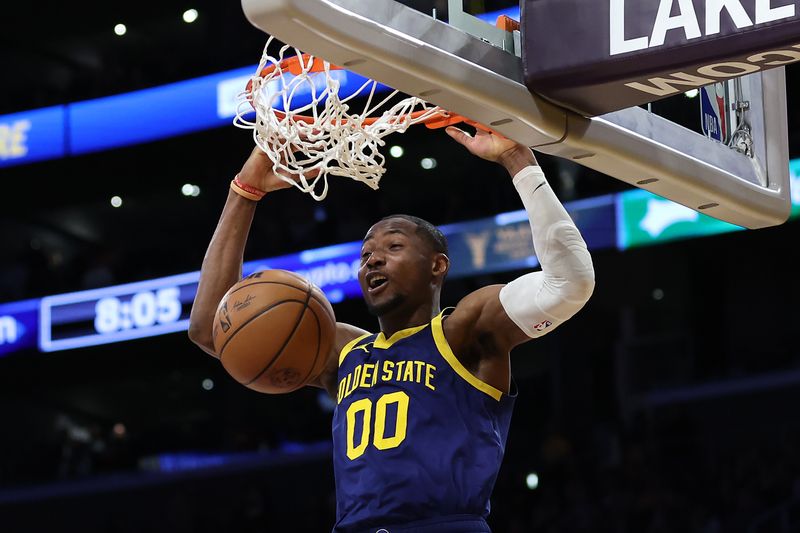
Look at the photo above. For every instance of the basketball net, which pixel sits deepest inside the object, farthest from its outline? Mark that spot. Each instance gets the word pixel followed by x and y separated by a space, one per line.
pixel 323 136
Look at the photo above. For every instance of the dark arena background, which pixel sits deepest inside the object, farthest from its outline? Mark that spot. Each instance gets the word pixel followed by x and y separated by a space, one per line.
pixel 669 404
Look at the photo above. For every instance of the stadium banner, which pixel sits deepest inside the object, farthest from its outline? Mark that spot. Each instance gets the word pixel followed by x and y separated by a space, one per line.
pixel 505 243
pixel 794 177
pixel 149 114
pixel 644 218
pixel 32 136
pixel 18 325
pixel 160 306
pixel 501 243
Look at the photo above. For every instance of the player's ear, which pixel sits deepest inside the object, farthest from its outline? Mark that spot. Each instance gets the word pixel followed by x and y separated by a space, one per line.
pixel 441 264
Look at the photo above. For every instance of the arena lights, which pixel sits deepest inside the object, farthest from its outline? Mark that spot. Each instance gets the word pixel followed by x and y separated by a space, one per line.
pixel 692 93
pixel 658 294
pixel 150 114
pixel 120 29
pixel 190 190
pixel 396 151
pixel 532 481
pixel 116 201
pixel 190 15
pixel 428 163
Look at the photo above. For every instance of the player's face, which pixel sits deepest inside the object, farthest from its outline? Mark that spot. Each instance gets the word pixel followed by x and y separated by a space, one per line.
pixel 395 267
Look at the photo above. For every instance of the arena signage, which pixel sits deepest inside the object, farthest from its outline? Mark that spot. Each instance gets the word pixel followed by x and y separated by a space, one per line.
pixel 499 244
pixel 32 136
pixel 649 49
pixel 687 20
pixel 675 82
pixel 8 330
pixel 18 325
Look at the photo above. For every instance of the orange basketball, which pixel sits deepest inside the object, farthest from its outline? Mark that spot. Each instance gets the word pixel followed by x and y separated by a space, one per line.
pixel 273 331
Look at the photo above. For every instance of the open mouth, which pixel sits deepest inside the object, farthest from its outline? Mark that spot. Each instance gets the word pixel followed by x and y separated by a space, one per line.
pixel 376 281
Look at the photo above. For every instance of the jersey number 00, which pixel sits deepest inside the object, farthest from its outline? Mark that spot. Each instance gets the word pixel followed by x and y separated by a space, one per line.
pixel 380 440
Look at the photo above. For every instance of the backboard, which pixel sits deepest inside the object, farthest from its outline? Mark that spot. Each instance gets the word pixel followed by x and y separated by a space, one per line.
pixel 482 77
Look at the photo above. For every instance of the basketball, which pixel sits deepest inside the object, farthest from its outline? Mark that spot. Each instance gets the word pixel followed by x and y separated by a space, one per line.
pixel 273 331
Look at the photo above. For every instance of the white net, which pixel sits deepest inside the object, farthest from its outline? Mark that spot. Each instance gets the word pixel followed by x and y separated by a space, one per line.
pixel 309 130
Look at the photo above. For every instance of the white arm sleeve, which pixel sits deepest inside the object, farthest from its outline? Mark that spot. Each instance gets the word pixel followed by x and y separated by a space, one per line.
pixel 538 302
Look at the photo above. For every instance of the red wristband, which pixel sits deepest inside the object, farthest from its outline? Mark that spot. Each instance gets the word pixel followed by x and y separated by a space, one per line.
pixel 248 188
pixel 248 191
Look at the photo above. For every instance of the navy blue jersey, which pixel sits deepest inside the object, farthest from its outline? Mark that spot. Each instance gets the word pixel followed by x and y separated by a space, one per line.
pixel 416 436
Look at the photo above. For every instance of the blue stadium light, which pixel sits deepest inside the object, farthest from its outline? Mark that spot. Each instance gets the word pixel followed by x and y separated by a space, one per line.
pixel 335 296
pixel 337 251
pixel 504 219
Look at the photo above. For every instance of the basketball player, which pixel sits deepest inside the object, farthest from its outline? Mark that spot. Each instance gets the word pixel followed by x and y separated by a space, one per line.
pixel 423 406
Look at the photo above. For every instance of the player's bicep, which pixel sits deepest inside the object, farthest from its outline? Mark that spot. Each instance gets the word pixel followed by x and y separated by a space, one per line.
pixel 482 317
pixel 344 334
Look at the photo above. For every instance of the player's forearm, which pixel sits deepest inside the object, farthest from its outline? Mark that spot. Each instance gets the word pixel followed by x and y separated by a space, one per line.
pixel 559 246
pixel 222 266
pixel 540 301
pixel 517 159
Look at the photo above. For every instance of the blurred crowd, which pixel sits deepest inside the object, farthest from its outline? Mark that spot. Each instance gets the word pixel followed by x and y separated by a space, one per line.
pixel 669 486
pixel 674 479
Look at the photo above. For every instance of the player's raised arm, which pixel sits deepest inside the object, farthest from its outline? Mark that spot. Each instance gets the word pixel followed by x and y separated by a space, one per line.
pixel 536 303
pixel 222 264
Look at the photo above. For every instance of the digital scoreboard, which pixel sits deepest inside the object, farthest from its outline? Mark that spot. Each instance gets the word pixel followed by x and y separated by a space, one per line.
pixel 119 313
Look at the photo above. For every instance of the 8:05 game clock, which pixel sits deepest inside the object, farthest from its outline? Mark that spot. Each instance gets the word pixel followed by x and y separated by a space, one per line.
pixel 114 314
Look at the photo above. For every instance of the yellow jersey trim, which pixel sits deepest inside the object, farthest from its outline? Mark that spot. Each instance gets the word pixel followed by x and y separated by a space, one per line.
pixel 383 343
pixel 349 347
pixel 452 360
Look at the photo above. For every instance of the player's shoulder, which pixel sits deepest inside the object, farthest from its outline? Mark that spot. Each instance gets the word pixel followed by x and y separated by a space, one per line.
pixel 474 307
pixel 478 324
pixel 345 334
